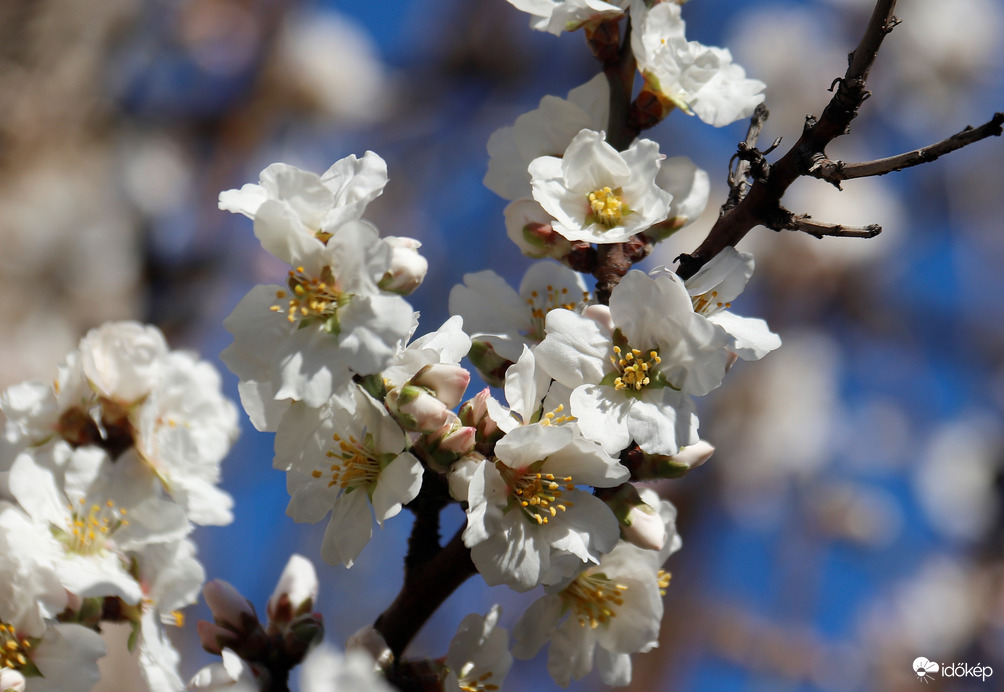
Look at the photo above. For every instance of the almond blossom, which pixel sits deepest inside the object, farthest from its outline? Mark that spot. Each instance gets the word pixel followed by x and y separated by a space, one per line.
pixel 695 78
pixel 633 365
pixel 598 194
pixel 556 16
pixel 524 504
pixel 340 460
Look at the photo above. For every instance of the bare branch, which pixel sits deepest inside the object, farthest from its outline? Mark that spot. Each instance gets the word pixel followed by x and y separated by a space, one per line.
pixel 764 196
pixel 741 171
pixel 836 171
pixel 819 229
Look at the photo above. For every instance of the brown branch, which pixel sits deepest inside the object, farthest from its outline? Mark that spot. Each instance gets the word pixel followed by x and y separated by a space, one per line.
pixel 819 229
pixel 764 195
pixel 836 171
pixel 744 159
pixel 426 586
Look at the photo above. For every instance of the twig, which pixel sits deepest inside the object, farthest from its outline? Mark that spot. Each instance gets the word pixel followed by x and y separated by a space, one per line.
pixel 765 195
pixel 836 171
pixel 741 171
pixel 819 229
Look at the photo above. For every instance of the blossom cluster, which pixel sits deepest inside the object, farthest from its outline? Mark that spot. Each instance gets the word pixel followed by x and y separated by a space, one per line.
pixel 595 395
pixel 103 475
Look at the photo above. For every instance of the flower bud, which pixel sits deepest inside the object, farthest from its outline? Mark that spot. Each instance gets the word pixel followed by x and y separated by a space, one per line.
pixel 11 681
pixel 368 639
pixel 416 409
pixel 640 523
pixel 644 528
pixel 645 466
pixel 529 227
pixel 474 413
pixel 215 638
pixel 229 608
pixel 295 592
pixel 305 632
pixel 491 366
pixel 447 382
pixel 451 442
pixel 407 267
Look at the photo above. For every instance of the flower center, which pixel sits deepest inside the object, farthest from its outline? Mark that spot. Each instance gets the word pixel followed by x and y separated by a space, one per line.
pixel 708 303
pixel 593 598
pixel 356 465
pixel 89 530
pixel 542 303
pixel 312 299
pixel 607 206
pixel 474 684
pixel 537 494
pixel 13 649
pixel 634 369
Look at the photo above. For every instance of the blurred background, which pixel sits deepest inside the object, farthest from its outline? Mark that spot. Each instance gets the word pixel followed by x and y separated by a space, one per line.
pixel 850 520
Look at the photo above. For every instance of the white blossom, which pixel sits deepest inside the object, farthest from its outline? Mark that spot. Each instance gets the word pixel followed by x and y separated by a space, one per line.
pixel 341 460
pixel 632 366
pixel 597 194
pixel 524 504
pixel 556 16
pixel 698 79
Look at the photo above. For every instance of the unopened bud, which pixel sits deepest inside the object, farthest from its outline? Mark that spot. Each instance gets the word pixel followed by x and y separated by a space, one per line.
pixel 368 639
pixel 451 442
pixel 491 366
pixel 640 522
pixel 529 227
pixel 215 638
pixel 230 609
pixel 304 633
pixel 644 528
pixel 11 681
pixel 446 382
pixel 295 593
pixel 416 409
pixel 407 267
pixel 474 413
pixel 646 467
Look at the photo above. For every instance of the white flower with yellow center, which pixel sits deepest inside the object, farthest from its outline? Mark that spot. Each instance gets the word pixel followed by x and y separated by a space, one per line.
pixel 506 320
pixel 305 340
pixel 525 505
pixel 605 613
pixel 292 208
pixel 633 365
pixel 600 195
pixel 87 534
pixel 340 458
pixel 695 78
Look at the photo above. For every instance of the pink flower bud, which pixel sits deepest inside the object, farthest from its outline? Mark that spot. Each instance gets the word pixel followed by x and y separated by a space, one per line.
pixel 407 267
pixel 447 382
pixel 214 638
pixel 474 413
pixel 644 528
pixel 230 609
pixel 416 409
pixel 295 593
